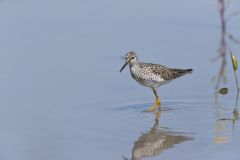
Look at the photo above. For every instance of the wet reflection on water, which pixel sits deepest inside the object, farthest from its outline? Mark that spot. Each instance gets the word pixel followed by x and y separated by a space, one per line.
pixel 156 140
pixel 220 126
pixel 222 122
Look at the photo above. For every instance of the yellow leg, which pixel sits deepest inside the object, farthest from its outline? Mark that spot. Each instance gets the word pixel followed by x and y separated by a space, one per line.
pixel 157 103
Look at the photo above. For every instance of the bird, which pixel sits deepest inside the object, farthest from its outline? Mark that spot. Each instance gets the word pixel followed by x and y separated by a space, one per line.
pixel 152 75
pixel 155 141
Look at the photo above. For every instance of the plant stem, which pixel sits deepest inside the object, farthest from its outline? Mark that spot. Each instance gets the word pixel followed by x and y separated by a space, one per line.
pixel 235 74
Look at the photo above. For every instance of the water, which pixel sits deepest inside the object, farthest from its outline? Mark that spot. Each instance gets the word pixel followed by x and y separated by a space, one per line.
pixel 62 96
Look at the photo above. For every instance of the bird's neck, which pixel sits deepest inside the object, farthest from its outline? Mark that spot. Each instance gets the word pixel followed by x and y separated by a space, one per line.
pixel 134 68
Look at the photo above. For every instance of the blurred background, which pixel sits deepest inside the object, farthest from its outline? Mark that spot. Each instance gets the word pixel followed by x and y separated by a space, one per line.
pixel 62 96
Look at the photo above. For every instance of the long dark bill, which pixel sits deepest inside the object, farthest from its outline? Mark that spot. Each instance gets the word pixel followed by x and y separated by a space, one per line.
pixel 125 64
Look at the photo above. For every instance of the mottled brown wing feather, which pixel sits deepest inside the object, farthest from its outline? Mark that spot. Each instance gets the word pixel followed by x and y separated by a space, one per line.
pixel 165 72
pixel 158 69
pixel 180 72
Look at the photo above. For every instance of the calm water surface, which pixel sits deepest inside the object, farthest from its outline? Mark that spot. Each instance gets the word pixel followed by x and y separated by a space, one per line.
pixel 62 96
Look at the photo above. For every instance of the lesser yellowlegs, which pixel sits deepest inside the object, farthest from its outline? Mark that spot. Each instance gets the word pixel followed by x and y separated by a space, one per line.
pixel 151 75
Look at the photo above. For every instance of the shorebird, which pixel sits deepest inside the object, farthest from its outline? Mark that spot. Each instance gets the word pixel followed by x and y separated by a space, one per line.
pixel 151 75
pixel 156 141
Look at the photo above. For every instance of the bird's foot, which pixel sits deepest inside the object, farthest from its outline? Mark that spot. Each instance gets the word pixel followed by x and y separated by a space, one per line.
pixel 157 103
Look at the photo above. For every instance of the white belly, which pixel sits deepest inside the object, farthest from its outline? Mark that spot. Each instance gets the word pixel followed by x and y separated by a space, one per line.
pixel 152 83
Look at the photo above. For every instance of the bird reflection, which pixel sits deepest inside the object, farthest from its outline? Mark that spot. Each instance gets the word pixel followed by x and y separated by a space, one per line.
pixel 155 141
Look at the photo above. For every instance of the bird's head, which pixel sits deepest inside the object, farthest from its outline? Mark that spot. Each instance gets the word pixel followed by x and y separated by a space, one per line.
pixel 131 59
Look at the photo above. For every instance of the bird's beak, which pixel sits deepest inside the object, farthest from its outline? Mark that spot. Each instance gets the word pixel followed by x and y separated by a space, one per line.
pixel 125 64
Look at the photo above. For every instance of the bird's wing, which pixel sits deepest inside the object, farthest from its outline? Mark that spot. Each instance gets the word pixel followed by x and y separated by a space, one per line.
pixel 165 72
pixel 158 69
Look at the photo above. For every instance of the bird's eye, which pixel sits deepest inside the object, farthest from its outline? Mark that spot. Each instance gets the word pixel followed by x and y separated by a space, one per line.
pixel 132 58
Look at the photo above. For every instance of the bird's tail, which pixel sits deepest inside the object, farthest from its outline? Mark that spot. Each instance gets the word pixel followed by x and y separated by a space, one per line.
pixel 188 71
pixel 180 72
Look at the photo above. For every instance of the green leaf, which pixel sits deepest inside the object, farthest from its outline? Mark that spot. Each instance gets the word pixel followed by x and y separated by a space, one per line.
pixel 234 62
pixel 223 91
